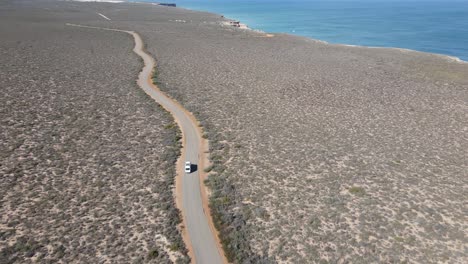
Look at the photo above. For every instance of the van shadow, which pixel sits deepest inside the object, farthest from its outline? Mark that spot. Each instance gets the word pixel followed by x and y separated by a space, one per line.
pixel 193 167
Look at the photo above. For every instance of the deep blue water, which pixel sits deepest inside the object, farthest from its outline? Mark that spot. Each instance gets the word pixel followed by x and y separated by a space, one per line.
pixel 437 26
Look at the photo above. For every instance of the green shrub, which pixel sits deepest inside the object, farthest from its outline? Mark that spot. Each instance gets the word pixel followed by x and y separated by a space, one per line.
pixel 356 190
pixel 208 169
pixel 169 126
pixel 174 247
pixel 153 254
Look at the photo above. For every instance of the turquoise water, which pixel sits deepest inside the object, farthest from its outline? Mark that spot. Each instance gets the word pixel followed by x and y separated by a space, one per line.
pixel 436 26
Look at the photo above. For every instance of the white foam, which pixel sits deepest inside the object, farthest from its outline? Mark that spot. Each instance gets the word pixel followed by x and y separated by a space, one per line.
pixel 443 56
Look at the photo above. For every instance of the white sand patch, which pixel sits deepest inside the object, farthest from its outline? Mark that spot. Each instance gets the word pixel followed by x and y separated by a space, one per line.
pixel 173 255
pixel 236 24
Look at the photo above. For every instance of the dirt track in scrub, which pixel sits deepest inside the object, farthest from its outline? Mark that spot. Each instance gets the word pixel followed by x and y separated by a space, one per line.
pixel 201 238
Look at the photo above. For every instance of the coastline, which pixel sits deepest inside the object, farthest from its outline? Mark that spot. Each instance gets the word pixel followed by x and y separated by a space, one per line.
pixel 242 26
pixel 442 56
pixel 246 27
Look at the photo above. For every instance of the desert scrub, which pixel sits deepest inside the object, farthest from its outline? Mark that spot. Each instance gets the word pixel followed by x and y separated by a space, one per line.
pixel 230 223
pixel 230 226
pixel 173 214
pixel 155 77
pixel 90 167
pixel 208 169
pixel 152 254
pixel 335 118
pixel 356 190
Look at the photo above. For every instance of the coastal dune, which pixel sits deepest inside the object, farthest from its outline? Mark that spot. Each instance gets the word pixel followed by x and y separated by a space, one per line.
pixel 320 152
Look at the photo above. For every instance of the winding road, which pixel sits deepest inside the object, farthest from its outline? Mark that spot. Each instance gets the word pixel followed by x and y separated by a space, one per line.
pixel 202 241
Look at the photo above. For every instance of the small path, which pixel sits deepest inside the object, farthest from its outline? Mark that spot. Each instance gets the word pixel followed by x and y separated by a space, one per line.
pixel 199 236
pixel 103 16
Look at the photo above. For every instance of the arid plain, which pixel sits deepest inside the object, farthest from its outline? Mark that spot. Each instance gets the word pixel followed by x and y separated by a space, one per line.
pixel 87 159
pixel 321 153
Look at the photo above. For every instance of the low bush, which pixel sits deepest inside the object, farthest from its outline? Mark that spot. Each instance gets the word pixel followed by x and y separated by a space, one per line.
pixel 357 190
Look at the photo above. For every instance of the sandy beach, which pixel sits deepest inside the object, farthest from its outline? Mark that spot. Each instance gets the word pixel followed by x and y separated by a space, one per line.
pixel 320 153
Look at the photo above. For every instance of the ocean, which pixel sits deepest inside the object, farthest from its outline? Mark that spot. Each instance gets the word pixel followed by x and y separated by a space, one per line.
pixel 436 26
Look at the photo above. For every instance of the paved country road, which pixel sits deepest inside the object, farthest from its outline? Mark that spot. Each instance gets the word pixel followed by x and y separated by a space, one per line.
pixel 201 237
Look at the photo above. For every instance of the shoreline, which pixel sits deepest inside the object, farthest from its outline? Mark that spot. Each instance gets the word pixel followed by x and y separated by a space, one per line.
pixel 228 22
pixel 246 27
